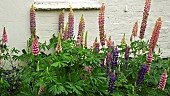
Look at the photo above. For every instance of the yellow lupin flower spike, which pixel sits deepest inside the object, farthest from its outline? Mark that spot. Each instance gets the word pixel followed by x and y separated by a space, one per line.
pixel 123 42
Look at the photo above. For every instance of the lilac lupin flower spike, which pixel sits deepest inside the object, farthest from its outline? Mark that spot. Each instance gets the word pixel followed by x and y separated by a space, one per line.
pixel 71 24
pixel 141 75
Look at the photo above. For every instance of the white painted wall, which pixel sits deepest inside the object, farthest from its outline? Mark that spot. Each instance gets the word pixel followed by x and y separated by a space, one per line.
pixel 15 17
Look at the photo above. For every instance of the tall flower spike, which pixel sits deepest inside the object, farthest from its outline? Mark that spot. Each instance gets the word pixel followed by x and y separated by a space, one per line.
pixel 141 75
pixel 66 32
pixel 78 39
pixel 61 22
pixel 81 26
pixel 71 24
pixel 96 45
pixel 115 58
pixel 135 29
pixel 32 21
pixel 110 43
pixel 149 61
pixel 163 79
pixel 108 61
pixel 35 48
pixel 59 47
pixel 85 43
pixel 155 34
pixel 126 56
pixel 123 42
pixel 4 37
pixel 112 82
pixel 101 24
pixel 145 18
pixel 82 38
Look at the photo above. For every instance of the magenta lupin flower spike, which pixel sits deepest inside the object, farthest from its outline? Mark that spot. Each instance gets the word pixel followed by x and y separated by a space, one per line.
pixel 35 48
pixel 4 36
pixel 145 18
pixel 163 79
pixel 149 61
pixel 61 22
pixel 32 21
pixel 101 25
pixel 71 24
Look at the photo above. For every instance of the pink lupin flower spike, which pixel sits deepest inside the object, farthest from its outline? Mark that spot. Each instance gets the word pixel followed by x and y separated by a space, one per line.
pixel 163 79
pixel 155 34
pixel 149 61
pixel 101 24
pixel 35 48
pixel 4 37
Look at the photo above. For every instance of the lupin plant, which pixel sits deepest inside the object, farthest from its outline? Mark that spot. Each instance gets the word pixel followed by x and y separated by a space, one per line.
pixel 149 61
pixel 126 56
pixel 96 45
pixel 81 26
pixel 101 25
pixel 65 37
pixel 123 41
pixel 71 24
pixel 141 75
pixel 162 82
pixel 61 22
pixel 108 62
pixel 115 56
pixel 4 37
pixel 33 21
pixel 112 82
pixel 155 34
pixel 59 46
pixel 110 43
pixel 145 18
pixel 35 47
pixel 135 29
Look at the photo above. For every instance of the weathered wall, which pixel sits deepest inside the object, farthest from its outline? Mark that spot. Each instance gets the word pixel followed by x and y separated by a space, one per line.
pixel 15 17
pixel 117 23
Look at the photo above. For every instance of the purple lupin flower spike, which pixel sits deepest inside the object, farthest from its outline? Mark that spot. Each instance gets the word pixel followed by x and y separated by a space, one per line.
pixel 108 61
pixel 126 57
pixel 115 58
pixel 71 24
pixel 112 82
pixel 141 75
